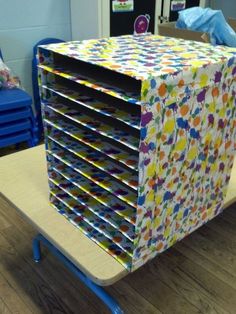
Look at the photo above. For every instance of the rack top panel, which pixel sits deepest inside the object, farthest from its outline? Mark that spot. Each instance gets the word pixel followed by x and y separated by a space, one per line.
pixel 143 56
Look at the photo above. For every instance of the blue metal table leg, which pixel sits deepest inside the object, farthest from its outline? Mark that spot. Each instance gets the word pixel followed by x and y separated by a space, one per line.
pixel 36 249
pixel 98 290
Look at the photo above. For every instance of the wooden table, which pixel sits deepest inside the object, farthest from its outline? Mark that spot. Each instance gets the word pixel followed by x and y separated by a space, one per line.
pixel 23 181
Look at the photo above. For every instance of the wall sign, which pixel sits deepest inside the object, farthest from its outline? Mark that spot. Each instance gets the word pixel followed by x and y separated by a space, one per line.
pixel 178 5
pixel 122 5
pixel 141 24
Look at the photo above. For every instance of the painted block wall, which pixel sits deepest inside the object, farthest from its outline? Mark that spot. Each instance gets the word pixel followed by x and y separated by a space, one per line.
pixel 23 23
pixel 227 6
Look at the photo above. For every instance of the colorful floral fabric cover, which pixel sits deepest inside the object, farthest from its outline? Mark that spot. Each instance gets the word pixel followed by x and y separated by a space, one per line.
pixel 187 130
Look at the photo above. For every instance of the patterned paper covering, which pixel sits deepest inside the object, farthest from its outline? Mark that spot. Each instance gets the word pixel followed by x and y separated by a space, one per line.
pixel 92 233
pixel 188 130
pixel 85 81
pixel 95 175
pixel 143 55
pixel 187 148
pixel 93 220
pixel 93 104
pixel 64 129
pixel 105 213
pixel 127 212
pixel 99 127
pixel 99 161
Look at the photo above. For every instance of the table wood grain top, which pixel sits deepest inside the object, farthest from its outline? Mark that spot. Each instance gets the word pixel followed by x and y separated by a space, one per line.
pixel 23 182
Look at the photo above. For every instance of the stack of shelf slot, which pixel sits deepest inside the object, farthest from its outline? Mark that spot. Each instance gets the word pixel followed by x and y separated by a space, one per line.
pixel 139 143
pixel 92 127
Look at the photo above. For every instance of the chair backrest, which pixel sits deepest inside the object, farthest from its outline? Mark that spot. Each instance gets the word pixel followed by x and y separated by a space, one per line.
pixel 46 41
pixel 36 95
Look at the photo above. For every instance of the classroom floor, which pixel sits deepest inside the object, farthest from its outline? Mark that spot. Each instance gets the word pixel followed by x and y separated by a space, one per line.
pixel 198 275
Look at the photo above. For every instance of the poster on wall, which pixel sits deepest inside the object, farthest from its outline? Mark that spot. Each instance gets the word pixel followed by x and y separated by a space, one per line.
pixel 177 5
pixel 122 5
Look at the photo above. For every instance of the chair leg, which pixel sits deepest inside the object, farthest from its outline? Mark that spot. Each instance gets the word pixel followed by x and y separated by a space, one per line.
pixel 30 143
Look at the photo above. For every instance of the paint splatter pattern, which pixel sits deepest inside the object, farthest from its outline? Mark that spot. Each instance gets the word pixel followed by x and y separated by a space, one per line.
pixel 92 220
pixel 99 127
pixel 104 212
pixel 125 211
pixel 97 160
pixel 99 238
pixel 60 126
pixel 93 174
pixel 91 103
pixel 187 130
pixel 99 86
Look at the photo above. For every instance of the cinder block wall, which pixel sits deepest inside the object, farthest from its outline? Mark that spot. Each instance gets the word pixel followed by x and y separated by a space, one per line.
pixel 227 6
pixel 23 23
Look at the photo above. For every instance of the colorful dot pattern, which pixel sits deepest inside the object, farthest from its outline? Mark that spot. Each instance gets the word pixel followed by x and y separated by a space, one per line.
pixel 187 130
pixel 97 160
pixel 130 119
pixel 187 148
pixel 77 134
pixel 93 174
pixel 95 235
pixel 97 126
pixel 140 56
pixel 105 213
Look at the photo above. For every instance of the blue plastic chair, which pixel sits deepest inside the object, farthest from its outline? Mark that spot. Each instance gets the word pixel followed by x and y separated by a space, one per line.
pixel 17 122
pixel 36 95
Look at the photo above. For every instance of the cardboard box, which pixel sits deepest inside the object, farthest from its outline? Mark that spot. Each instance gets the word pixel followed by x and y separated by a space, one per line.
pixel 168 29
pixel 232 23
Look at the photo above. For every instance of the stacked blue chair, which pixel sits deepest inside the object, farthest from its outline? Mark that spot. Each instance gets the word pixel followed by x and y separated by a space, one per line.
pixel 17 122
pixel 36 95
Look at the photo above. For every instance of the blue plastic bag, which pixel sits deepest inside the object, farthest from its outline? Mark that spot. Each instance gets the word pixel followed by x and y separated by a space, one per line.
pixel 208 21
